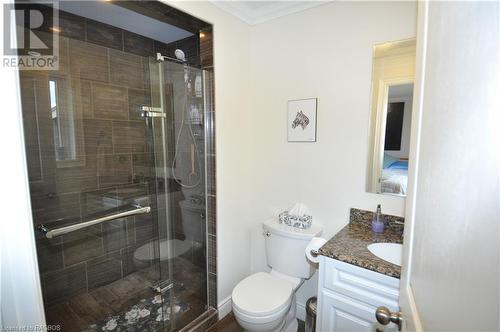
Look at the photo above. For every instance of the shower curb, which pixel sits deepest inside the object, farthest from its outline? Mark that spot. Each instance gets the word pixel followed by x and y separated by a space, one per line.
pixel 202 322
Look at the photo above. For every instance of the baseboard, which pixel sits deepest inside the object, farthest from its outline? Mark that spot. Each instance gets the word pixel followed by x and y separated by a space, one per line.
pixel 224 307
pixel 301 311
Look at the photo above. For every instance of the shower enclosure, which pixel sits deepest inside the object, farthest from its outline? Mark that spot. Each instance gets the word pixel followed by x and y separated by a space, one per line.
pixel 116 149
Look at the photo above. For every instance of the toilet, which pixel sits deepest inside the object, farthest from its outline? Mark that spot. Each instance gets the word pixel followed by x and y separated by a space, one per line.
pixel 265 301
pixel 193 227
pixel 193 220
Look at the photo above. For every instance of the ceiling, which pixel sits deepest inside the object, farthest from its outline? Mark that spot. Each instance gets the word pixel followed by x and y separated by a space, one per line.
pixel 255 12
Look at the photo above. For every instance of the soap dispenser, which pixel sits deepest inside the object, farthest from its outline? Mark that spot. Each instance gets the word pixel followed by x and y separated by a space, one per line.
pixel 378 222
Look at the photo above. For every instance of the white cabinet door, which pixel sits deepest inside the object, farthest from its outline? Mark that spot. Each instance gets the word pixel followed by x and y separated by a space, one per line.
pixel 340 313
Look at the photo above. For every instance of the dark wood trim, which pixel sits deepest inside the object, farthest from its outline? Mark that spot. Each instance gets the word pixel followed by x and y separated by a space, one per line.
pixel 165 13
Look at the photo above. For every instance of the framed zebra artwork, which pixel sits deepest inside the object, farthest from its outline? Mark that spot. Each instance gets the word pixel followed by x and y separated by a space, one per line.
pixel 302 120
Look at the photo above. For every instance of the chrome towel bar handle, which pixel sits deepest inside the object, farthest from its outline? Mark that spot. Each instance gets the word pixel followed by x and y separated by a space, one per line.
pixel 50 233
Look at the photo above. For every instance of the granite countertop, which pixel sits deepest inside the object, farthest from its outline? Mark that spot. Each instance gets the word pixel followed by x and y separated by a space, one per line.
pixel 350 244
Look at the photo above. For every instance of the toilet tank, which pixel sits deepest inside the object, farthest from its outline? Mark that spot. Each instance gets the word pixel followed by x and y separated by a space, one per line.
pixel 286 245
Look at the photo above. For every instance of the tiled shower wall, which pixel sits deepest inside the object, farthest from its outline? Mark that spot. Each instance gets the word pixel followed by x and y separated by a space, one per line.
pixel 206 58
pixel 105 70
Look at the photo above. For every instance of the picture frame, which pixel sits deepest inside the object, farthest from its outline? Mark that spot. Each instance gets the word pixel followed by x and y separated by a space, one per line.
pixel 301 120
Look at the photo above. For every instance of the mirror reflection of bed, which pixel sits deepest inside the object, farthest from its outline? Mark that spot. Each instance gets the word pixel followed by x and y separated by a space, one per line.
pixel 394 179
pixel 390 120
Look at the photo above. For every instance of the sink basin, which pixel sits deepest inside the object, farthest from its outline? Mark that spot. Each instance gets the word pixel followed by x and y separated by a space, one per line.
pixel 390 252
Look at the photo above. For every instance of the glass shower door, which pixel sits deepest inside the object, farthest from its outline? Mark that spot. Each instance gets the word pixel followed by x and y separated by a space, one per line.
pixel 95 190
pixel 179 143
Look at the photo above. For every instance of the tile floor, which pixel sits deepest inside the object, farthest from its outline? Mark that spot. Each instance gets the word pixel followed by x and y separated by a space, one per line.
pixel 83 310
pixel 229 324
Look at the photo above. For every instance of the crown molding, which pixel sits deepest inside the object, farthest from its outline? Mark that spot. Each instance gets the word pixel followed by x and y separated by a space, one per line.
pixel 256 12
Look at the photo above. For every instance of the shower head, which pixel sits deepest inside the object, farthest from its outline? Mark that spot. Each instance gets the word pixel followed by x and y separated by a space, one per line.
pixel 179 54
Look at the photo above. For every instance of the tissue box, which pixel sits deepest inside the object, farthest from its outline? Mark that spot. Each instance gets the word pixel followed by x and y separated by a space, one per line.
pixel 299 222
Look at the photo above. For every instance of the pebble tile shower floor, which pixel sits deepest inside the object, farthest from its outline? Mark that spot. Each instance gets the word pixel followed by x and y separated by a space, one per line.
pixel 129 304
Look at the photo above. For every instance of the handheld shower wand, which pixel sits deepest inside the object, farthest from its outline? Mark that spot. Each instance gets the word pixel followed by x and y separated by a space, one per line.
pixel 194 174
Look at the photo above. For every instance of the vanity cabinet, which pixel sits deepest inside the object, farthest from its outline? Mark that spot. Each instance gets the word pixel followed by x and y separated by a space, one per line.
pixel 348 296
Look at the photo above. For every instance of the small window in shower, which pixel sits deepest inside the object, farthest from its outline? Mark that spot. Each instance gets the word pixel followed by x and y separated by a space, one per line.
pixel 61 152
pixel 66 124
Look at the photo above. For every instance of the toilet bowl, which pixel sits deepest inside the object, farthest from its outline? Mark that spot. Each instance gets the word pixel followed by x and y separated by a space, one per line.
pixel 163 250
pixel 262 301
pixel 266 301
pixel 193 227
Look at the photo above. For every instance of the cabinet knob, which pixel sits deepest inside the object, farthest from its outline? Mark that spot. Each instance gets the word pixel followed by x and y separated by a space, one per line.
pixel 385 316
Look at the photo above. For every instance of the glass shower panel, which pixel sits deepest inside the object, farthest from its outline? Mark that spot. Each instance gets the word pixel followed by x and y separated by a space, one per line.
pixel 92 166
pixel 180 96
pixel 115 145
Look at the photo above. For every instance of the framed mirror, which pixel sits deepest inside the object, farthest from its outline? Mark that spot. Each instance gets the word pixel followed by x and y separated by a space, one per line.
pixel 390 117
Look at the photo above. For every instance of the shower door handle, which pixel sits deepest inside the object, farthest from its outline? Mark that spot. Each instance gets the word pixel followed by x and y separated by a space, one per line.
pixel 152 112
pixel 50 233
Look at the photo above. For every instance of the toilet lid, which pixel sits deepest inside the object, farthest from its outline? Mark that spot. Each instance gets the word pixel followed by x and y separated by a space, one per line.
pixel 262 294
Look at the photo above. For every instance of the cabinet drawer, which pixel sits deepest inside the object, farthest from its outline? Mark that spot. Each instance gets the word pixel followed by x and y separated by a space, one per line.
pixel 371 287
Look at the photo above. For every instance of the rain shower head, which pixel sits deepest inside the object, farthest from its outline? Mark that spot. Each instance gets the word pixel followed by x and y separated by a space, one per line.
pixel 179 54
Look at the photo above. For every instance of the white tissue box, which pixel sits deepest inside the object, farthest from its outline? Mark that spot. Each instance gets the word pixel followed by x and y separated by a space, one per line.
pixel 294 221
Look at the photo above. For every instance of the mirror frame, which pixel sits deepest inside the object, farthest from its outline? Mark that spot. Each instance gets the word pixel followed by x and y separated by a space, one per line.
pixel 381 80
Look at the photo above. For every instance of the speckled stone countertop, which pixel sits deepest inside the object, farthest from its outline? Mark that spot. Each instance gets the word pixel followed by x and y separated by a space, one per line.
pixel 350 244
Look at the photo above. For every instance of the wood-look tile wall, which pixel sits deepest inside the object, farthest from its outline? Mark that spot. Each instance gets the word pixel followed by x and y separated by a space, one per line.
pixel 105 70
pixel 80 28
pixel 115 167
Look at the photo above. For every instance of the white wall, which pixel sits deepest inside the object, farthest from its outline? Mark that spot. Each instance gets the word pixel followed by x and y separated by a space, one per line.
pixel 20 290
pixel 325 52
pixel 234 134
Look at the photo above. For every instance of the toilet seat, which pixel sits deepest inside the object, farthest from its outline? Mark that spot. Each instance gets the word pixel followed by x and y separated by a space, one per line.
pixel 262 295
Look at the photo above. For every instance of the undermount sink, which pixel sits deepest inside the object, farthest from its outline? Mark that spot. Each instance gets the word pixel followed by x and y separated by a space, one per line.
pixel 390 252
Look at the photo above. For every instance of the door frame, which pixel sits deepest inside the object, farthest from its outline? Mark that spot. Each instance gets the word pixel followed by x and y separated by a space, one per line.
pixel 21 301
pixel 408 306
